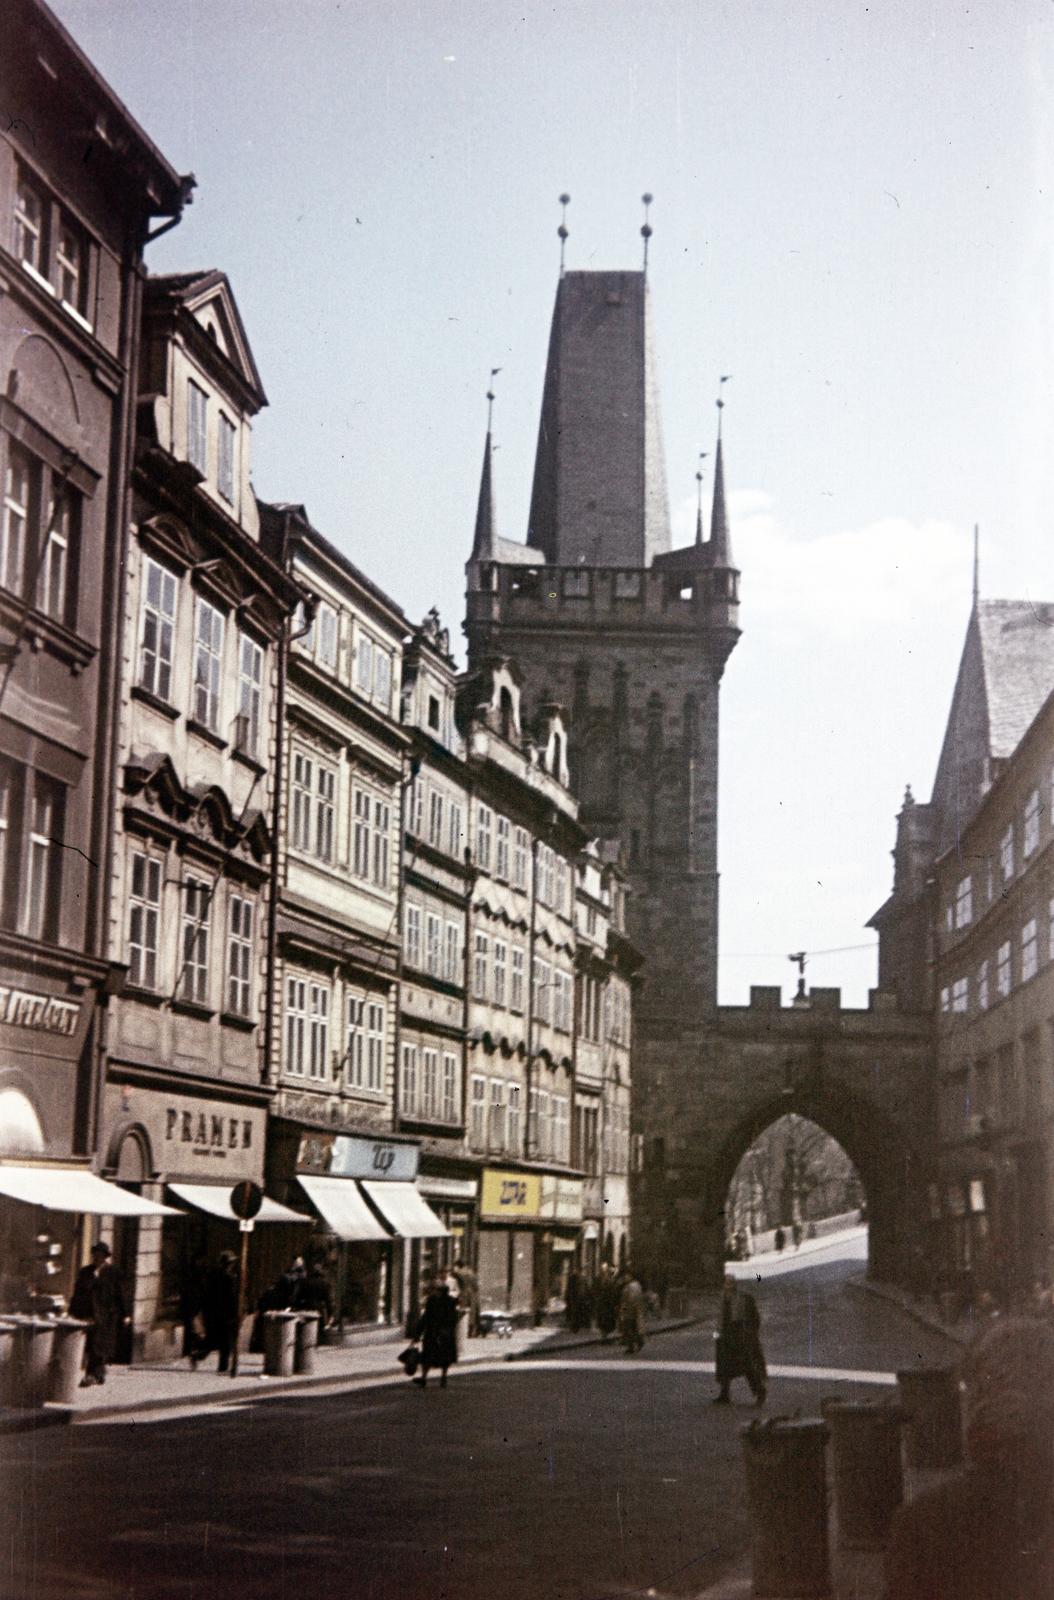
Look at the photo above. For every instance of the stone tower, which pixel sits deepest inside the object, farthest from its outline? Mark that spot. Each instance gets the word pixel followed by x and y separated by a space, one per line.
pixel 629 636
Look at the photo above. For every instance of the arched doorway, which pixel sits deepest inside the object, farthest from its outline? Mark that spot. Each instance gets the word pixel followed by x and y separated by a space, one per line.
pixel 794 1185
pixel 131 1171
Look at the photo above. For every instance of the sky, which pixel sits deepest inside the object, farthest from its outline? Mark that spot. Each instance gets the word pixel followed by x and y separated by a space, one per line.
pixel 852 217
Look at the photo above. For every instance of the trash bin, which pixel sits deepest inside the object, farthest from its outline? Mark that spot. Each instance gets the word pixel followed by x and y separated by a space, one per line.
pixel 279 1343
pixel 306 1341
pixel 787 1494
pixel 33 1340
pixel 7 1356
pixel 67 1359
pixel 932 1415
pixel 868 1473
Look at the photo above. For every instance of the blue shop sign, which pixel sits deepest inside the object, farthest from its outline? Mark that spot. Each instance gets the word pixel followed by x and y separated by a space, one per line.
pixel 373 1158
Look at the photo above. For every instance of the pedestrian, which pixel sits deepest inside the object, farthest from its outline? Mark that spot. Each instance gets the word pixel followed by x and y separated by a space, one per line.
pixel 192 1307
pixel 576 1302
pixel 98 1299
pixel 780 1240
pixel 220 1311
pixel 988 1533
pixel 739 1352
pixel 316 1294
pixel 607 1298
pixel 468 1294
pixel 437 1332
pixel 631 1314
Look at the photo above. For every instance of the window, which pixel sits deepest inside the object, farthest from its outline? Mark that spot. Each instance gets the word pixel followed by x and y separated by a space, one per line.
pixel 208 653
pixel 496 1128
pixel 455 829
pixel 541 997
pixel 1050 931
pixel 452 953
pixel 433 944
pixel 964 903
pixel 479 966
pixel 143 920
pixel 326 636
pixel 512 1117
pixel 408 1092
pixel 361 833
pixel 576 582
pixel 543 1123
pixel 484 820
pixel 371 835
pixel 382 676
pixel 250 685
pixel 521 854
pixel 1006 854
pixel 430 1083
pixel 501 848
pixel 375 1046
pixel 71 256
pixel 295 1026
pixel 412 936
pixel 382 827
pixel 435 818
pixel 449 1107
pixel 479 1111
pixel 55 576
pixel 240 956
pixel 1002 970
pixel 982 986
pixel 39 890
pixel 225 459
pixel 587 1152
pixel 1030 839
pixel 364 1054
pixel 1029 950
pixel 197 427
pixel 21 481
pixel 197 905
pixel 946 999
pixel 157 629
pixel 29 239
pixel 302 784
pixel 961 995
pixel 59 260
pixel 561 886
pixel 318 1019
pixel 364 663
pixel 433 713
pixel 416 807
pixel 325 811
pixel 517 983
pixel 501 951
pixel 562 1001
pixel 561 1128
pixel 545 875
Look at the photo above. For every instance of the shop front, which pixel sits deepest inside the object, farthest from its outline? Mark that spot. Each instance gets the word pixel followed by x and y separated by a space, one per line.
pixel 529 1226
pixel 363 1192
pixel 454 1202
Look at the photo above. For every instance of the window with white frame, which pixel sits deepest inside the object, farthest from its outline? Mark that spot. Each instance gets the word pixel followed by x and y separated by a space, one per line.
pixel 371 837
pixel 318 1031
pixel 562 1001
pixel 435 818
pixel 325 811
pixel 516 981
pixel 301 785
pixel 430 1083
pixel 546 866
pixel 326 636
pixel 55 256
pixel 382 677
pixel 412 935
pixel 433 944
pixel 225 458
pixel 415 810
pixel 1050 930
pixel 484 826
pixel 364 1051
pixel 561 887
pixel 197 908
pixel 1029 950
pixel 71 262
pixel 496 1128
pixel 481 951
pixel 544 1124
pixel 362 833
pixel 250 689
pixel 21 486
pixel 1002 970
pixel 58 541
pixel 455 829
pixel 408 1090
pixel 502 840
pixel 364 654
pixel 144 902
pixel 541 978
pixel 521 857
pixel 512 1110
pixel 1006 854
pixel 157 626
pixel 964 903
pixel 561 1128
pixel 197 427
pixel 452 953
pixel 501 956
pixel 448 1108
pixel 946 998
pixel 478 1130
pixel 982 986
pixel 208 662
pixel 1030 837
pixel 29 243
pixel 961 995
pixel 295 1026
pixel 40 890
pixel 239 955
pixel 382 830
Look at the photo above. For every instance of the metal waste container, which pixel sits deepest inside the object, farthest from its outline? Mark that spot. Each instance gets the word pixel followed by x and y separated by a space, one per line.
pixel 33 1340
pixel 868 1472
pixel 306 1341
pixel 279 1343
pixel 786 1474
pixel 67 1359
pixel 932 1415
pixel 7 1357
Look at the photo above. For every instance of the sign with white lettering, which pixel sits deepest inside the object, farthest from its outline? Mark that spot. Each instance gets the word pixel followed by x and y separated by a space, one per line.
pixel 44 1013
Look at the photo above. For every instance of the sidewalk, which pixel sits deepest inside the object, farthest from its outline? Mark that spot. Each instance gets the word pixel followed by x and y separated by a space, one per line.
pixel 960 1333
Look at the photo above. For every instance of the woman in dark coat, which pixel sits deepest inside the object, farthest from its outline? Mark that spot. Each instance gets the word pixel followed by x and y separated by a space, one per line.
pixel 98 1299
pixel 437 1331
pixel 220 1311
pixel 606 1300
pixel 739 1352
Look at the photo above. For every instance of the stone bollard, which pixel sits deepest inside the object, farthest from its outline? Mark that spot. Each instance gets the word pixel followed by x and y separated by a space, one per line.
pixel 306 1341
pixel 31 1360
pixel 933 1416
pixel 279 1343
pixel 868 1472
pixel 67 1359
pixel 787 1494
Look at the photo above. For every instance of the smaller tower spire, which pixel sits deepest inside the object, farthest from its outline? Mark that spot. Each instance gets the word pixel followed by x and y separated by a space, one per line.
pixel 561 232
pixel 646 231
pixel 976 564
pixel 484 545
pixel 720 544
pixel 699 498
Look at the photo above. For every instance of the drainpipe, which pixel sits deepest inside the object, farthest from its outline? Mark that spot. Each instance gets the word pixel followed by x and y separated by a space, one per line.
pixel 273 1000
pixel 529 979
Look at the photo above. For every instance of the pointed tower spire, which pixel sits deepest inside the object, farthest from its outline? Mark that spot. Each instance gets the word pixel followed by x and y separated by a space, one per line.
pixel 484 545
pixel 699 499
pixel 646 231
pixel 720 542
pixel 976 565
pixel 562 230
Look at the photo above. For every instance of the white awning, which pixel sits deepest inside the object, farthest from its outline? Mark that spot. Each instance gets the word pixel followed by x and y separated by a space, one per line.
pixel 216 1200
pixel 63 1189
pixel 410 1215
pixel 341 1205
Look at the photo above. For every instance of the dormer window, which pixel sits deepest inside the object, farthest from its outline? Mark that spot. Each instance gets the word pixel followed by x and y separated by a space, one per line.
pixel 197 427
pixel 433 712
pixel 225 459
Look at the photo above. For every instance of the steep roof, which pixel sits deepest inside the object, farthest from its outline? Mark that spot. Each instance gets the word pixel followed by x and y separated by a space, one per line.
pixel 210 288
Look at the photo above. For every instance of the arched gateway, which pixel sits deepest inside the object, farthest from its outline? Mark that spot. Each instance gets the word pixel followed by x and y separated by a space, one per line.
pixel 631 637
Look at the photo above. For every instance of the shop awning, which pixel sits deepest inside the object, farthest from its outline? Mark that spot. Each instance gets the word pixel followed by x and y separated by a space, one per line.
pixel 216 1200
pixel 339 1202
pixel 410 1215
pixel 60 1189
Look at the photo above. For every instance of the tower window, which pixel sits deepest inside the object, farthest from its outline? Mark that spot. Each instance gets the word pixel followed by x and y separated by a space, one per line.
pixel 627 585
pixel 433 712
pixel 576 582
pixel 687 591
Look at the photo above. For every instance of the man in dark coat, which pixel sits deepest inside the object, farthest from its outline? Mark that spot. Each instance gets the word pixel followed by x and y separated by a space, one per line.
pixel 220 1311
pixel 98 1299
pixel 437 1331
pixel 739 1352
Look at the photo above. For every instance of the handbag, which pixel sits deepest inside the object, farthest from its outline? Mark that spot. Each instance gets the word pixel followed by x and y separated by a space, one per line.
pixel 410 1359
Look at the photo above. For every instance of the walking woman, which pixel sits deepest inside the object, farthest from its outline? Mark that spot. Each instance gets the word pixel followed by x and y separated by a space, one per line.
pixel 437 1331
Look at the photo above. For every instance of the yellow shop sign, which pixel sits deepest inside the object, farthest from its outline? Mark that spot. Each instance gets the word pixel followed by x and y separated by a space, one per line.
pixel 510 1194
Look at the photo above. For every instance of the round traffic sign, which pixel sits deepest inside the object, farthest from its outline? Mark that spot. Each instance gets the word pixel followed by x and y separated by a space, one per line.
pixel 246 1199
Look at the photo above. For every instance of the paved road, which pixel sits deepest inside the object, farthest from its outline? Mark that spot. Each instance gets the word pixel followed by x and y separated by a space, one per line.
pixel 557 1479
